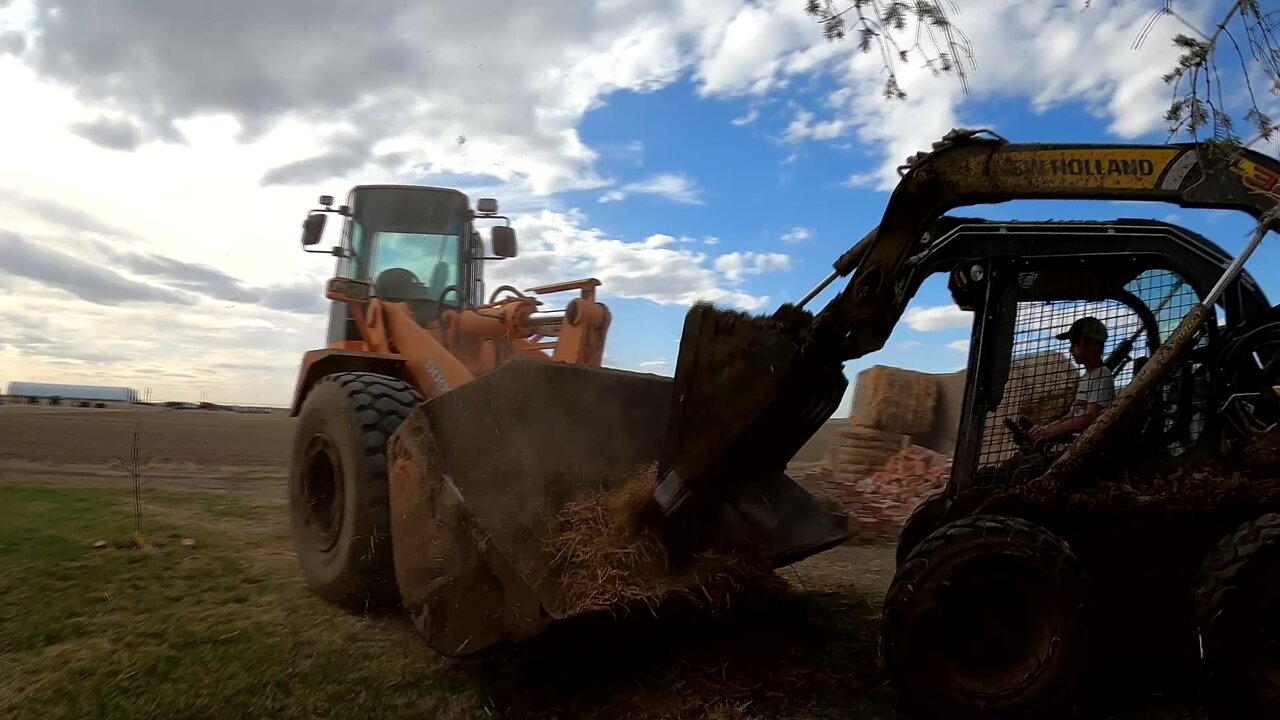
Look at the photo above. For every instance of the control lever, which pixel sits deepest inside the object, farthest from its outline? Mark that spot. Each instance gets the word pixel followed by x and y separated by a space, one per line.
pixel 1021 430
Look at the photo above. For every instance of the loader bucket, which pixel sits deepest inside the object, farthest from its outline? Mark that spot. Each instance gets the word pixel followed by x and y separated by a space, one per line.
pixel 479 473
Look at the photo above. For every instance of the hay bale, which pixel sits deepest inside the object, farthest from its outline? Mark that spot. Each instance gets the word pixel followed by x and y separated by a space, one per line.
pixel 610 557
pixel 894 400
pixel 860 451
pixel 1040 387
pixel 854 437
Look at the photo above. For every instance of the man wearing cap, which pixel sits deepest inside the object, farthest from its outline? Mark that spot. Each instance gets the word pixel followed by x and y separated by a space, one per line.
pixel 1097 388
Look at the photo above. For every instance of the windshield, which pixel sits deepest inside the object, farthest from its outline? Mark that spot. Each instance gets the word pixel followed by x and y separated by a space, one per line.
pixel 407 242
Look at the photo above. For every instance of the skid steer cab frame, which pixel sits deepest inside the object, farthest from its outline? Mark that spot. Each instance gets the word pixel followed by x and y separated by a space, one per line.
pixel 1134 617
pixel 1025 283
pixel 1062 596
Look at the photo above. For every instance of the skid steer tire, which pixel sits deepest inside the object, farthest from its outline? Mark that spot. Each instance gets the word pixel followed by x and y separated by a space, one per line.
pixel 1236 593
pixel 987 619
pixel 928 516
pixel 338 493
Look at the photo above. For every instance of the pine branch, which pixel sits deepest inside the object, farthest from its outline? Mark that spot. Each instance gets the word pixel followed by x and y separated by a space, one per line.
pixel 941 47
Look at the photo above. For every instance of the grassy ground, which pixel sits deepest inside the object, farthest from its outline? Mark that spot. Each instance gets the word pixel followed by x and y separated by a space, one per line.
pixel 221 630
pixel 225 629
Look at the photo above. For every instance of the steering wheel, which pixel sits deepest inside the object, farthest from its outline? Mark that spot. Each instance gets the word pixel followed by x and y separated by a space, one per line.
pixel 450 288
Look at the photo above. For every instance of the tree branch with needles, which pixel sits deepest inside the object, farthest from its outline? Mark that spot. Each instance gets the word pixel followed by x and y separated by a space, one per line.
pixel 1198 101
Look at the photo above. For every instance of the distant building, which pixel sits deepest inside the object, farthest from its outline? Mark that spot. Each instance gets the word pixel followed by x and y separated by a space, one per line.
pixel 94 393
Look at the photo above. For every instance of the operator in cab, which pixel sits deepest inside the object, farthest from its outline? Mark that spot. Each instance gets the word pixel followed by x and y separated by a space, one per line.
pixel 1097 388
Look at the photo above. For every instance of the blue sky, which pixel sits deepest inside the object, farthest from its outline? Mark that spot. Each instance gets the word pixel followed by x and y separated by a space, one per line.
pixel 675 149
pixel 755 188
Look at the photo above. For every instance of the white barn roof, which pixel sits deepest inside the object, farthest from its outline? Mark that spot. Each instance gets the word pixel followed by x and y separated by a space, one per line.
pixel 73 392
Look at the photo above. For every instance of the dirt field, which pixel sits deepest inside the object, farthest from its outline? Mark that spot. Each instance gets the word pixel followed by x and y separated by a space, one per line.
pixel 241 453
pixel 191 449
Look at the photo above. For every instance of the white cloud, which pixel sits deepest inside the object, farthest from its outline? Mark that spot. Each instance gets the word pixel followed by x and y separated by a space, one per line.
pixel 863 180
pixel 752 115
pixel 909 345
pixel 1064 55
pixel 743 48
pixel 672 186
pixel 960 345
pixel 561 246
pixel 658 364
pixel 797 235
pixel 711 240
pixel 941 317
pixel 803 128
pixel 736 265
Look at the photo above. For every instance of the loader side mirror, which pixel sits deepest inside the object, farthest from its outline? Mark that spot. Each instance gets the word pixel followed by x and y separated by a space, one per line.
pixel 313 229
pixel 503 238
pixel 487 206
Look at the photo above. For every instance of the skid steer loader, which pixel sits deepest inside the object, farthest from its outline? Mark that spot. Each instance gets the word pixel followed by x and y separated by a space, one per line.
pixel 1047 573
pixel 440 433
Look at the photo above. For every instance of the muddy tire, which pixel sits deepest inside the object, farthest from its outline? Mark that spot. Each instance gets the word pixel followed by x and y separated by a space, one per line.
pixel 1237 592
pixel 338 494
pixel 986 619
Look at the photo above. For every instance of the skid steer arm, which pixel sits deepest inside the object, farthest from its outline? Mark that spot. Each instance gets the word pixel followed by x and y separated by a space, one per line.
pixel 967 169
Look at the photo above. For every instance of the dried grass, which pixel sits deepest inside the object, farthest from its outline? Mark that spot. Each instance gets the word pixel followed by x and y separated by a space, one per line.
pixel 611 557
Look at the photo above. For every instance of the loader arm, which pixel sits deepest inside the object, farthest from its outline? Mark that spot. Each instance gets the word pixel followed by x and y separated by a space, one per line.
pixel 965 170
pixel 464 344
pixel 393 329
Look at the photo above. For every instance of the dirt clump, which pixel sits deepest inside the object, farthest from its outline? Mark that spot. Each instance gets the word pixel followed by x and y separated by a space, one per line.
pixel 1184 486
pixel 610 554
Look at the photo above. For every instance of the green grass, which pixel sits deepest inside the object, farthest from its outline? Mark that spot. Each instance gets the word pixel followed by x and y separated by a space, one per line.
pixel 226 629
pixel 221 630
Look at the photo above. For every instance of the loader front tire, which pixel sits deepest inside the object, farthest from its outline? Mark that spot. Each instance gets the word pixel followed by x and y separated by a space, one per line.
pixel 986 619
pixel 1236 593
pixel 338 493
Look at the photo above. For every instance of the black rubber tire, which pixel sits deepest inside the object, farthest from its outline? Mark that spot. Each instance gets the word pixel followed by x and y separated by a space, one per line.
pixel 1236 593
pixel 339 463
pixel 920 524
pixel 982 602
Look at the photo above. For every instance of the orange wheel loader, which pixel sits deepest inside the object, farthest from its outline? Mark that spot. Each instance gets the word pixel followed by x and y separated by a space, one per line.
pixel 439 432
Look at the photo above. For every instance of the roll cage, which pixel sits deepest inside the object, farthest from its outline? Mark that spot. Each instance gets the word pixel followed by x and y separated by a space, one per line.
pixel 989 262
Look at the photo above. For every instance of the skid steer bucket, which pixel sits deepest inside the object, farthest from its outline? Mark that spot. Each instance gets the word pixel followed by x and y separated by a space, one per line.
pixel 479 474
pixel 745 401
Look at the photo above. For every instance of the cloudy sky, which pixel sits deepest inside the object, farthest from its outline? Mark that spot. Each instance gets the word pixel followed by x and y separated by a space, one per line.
pixel 159 155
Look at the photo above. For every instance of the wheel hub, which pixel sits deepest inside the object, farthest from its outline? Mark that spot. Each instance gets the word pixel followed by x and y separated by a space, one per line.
pixel 322 490
pixel 999 627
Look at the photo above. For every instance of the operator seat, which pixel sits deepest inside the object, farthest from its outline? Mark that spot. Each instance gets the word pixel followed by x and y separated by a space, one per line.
pixel 398 284
pixel 439 279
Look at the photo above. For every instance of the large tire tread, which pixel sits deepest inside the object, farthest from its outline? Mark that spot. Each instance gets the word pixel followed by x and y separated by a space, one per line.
pixel 1062 696
pixel 373 406
pixel 1223 583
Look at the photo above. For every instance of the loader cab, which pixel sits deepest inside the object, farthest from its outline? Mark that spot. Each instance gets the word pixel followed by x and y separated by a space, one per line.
pixel 415 244
pixel 1027 282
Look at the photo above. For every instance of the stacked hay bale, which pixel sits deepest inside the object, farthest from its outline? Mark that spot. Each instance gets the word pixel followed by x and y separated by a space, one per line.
pixel 890 405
